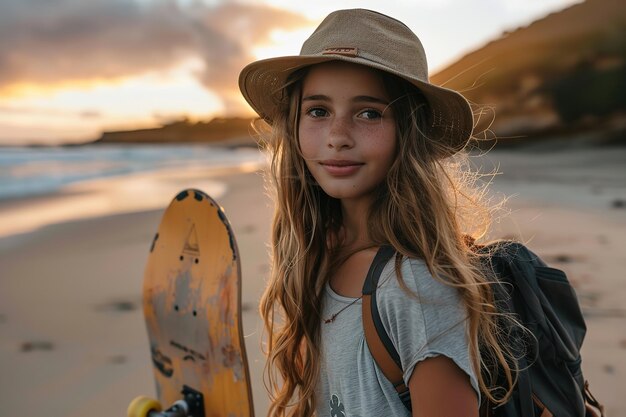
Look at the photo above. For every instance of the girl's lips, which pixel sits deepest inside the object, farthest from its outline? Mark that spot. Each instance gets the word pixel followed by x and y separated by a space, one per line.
pixel 341 168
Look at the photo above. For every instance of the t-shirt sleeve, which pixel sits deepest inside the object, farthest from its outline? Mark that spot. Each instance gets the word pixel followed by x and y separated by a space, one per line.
pixel 429 322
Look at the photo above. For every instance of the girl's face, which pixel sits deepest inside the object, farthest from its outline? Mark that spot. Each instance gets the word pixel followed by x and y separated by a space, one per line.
pixel 347 130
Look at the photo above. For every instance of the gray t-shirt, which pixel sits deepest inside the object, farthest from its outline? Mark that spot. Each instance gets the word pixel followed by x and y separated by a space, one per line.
pixel 351 384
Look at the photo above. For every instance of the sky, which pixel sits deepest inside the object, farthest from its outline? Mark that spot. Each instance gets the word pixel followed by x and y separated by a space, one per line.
pixel 70 69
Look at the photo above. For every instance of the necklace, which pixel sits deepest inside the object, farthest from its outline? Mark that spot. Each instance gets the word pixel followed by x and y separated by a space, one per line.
pixel 334 316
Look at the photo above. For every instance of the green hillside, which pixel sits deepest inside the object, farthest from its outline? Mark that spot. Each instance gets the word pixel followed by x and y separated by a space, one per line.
pixel 559 76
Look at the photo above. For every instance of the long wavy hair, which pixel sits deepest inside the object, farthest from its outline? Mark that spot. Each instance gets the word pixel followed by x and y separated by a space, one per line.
pixel 429 207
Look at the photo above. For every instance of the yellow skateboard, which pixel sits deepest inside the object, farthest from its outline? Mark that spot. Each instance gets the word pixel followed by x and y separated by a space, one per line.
pixel 192 307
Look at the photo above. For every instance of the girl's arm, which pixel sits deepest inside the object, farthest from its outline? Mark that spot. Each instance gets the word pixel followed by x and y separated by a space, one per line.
pixel 439 388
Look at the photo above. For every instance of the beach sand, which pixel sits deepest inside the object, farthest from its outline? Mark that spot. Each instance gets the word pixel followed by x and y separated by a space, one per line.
pixel 72 337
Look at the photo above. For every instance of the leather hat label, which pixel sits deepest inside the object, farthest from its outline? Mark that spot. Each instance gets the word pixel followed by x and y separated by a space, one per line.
pixel 341 51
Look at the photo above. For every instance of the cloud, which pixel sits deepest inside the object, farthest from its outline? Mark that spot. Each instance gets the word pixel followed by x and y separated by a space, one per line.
pixel 60 41
pixel 225 38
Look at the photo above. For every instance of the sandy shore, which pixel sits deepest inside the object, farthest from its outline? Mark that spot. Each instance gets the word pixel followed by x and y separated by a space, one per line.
pixel 72 336
pixel 71 329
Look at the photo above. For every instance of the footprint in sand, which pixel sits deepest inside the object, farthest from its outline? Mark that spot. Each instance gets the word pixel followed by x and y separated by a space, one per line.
pixel 248 229
pixel 618 203
pixel 117 359
pixel 609 369
pixel 36 345
pixel 563 258
pixel 119 305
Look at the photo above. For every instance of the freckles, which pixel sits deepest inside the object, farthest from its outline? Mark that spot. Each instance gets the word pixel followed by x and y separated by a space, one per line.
pixel 308 151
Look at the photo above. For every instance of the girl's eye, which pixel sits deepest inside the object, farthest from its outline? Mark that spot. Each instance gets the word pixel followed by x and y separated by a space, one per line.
pixel 370 114
pixel 316 112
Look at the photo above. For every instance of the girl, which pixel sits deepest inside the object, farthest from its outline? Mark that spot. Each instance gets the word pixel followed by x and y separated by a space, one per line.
pixel 362 148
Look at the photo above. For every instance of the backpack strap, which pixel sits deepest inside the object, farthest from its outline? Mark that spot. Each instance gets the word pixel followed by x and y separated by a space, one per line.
pixel 383 350
pixel 594 408
pixel 378 342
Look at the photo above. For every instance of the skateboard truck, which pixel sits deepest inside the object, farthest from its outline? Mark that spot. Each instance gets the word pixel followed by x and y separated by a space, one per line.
pixel 192 405
pixel 194 400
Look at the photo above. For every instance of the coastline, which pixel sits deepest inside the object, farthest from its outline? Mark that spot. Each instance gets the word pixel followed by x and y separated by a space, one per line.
pixel 71 327
pixel 129 193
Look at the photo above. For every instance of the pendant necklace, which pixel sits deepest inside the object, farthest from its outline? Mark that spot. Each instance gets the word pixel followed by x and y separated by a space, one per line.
pixel 334 316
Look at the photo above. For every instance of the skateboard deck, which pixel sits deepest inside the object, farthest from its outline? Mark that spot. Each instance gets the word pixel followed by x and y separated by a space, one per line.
pixel 192 308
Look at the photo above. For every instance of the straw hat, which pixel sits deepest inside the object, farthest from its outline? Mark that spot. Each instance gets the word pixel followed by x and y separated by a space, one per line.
pixel 372 39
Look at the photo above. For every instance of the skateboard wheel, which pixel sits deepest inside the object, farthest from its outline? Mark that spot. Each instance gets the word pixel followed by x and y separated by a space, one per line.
pixel 143 406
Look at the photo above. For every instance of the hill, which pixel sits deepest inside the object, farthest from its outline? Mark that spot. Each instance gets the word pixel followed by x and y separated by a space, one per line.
pixel 558 76
pixel 229 131
pixel 561 76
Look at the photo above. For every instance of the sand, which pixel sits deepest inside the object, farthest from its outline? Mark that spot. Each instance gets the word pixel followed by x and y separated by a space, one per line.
pixel 72 338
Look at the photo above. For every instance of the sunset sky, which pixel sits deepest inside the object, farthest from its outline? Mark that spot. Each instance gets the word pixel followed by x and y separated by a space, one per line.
pixel 72 68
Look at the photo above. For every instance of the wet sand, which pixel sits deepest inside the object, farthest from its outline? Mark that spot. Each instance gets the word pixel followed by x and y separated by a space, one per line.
pixel 72 338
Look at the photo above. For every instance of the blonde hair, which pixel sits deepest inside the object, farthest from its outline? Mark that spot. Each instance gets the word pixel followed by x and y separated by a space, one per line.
pixel 429 207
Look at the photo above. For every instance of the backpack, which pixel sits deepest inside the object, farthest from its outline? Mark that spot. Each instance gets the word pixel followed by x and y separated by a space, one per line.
pixel 550 381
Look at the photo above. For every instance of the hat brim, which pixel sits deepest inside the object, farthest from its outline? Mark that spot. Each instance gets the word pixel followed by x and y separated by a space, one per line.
pixel 262 82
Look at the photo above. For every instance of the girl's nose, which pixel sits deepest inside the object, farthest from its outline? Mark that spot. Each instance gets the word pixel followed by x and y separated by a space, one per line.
pixel 339 134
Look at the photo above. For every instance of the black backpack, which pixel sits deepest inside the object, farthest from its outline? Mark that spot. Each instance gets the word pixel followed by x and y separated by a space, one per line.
pixel 550 382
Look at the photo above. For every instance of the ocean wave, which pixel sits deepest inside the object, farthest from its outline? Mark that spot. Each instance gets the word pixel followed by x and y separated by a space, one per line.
pixel 28 172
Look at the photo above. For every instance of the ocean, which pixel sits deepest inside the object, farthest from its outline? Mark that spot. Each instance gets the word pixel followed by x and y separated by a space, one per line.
pixel 32 171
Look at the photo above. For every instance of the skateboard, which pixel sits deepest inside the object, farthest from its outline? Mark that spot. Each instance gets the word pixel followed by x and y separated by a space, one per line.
pixel 192 308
